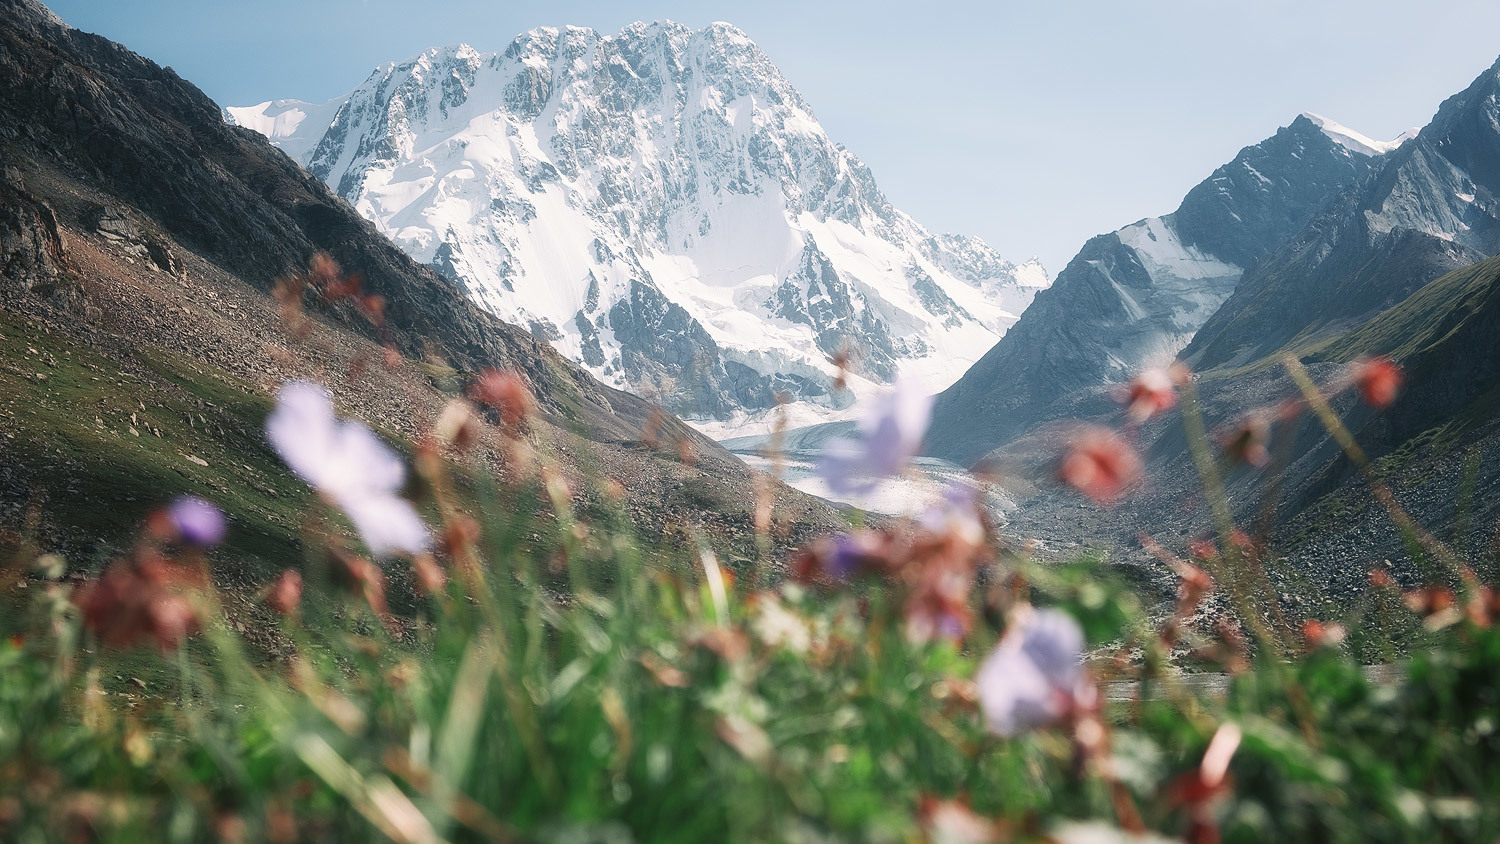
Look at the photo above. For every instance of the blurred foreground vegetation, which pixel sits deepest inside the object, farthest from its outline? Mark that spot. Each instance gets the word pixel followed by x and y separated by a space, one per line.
pixel 610 697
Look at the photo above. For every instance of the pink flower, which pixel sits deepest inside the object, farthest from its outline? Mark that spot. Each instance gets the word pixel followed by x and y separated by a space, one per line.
pixel 1377 380
pixel 890 436
pixel 1035 677
pixel 345 461
pixel 286 593
pixel 1246 442
pixel 1150 393
pixel 141 600
pixel 508 394
pixel 953 822
pixel 1100 465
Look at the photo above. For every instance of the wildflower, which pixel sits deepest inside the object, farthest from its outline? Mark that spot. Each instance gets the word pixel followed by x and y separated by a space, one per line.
pixel 1246 442
pixel 1151 392
pixel 1198 789
pixel 664 672
pixel 1195 581
pixel 841 556
pixel 361 577
pixel 953 822
pixel 347 462
pixel 651 431
pixel 1431 600
pixel 374 307
pixel 1035 677
pixel 196 522
pixel 323 271
pixel 430 576
pixel 460 535
pixel 891 433
pixel 1377 380
pixel 138 600
pixel 508 395
pixel 957 514
pixel 286 593
pixel 779 627
pixel 687 453
pixel 745 736
pixel 842 360
pixel 456 425
pixel 1319 635
pixel 938 607
pixel 1100 465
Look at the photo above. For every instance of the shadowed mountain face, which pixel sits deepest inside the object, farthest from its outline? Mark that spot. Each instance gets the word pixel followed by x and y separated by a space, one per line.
pixel 1429 208
pixel 1135 297
pixel 142 234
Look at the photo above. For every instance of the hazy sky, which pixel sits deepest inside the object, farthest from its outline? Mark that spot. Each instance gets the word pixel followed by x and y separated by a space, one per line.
pixel 1031 124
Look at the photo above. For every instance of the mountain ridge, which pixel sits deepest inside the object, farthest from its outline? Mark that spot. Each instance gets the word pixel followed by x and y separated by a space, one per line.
pixel 1134 298
pixel 665 182
pixel 1431 208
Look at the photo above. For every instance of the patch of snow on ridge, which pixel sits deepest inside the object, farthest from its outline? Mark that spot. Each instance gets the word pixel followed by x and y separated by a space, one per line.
pixel 1356 142
pixel 1163 253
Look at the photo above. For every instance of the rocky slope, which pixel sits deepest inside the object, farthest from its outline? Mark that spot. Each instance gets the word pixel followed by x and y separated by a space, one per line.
pixel 1429 208
pixel 139 239
pixel 663 207
pixel 1437 446
pixel 1135 297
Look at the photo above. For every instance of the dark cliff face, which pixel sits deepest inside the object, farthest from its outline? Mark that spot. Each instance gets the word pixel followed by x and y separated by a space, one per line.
pixel 1135 297
pixel 1253 204
pixel 1428 209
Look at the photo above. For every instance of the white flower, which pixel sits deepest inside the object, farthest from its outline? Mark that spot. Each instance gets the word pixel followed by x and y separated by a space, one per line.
pixel 1035 676
pixel 778 626
pixel 347 462
pixel 890 435
pixel 957 513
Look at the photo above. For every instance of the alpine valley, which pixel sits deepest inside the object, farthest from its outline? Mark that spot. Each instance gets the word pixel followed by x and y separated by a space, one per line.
pixel 663 207
pixel 1318 248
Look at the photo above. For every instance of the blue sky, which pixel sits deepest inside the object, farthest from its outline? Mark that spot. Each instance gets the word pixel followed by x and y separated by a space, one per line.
pixel 1032 124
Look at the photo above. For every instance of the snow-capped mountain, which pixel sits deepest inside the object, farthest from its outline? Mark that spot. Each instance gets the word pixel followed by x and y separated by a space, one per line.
pixel 663 206
pixel 1432 206
pixel 1134 298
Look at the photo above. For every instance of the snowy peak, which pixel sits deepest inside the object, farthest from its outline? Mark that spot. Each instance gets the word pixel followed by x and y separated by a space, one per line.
pixel 662 206
pixel 1356 142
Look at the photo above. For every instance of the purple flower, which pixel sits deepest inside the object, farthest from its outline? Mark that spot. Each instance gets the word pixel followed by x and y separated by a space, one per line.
pixel 890 435
pixel 196 522
pixel 1035 676
pixel 847 557
pixel 347 462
